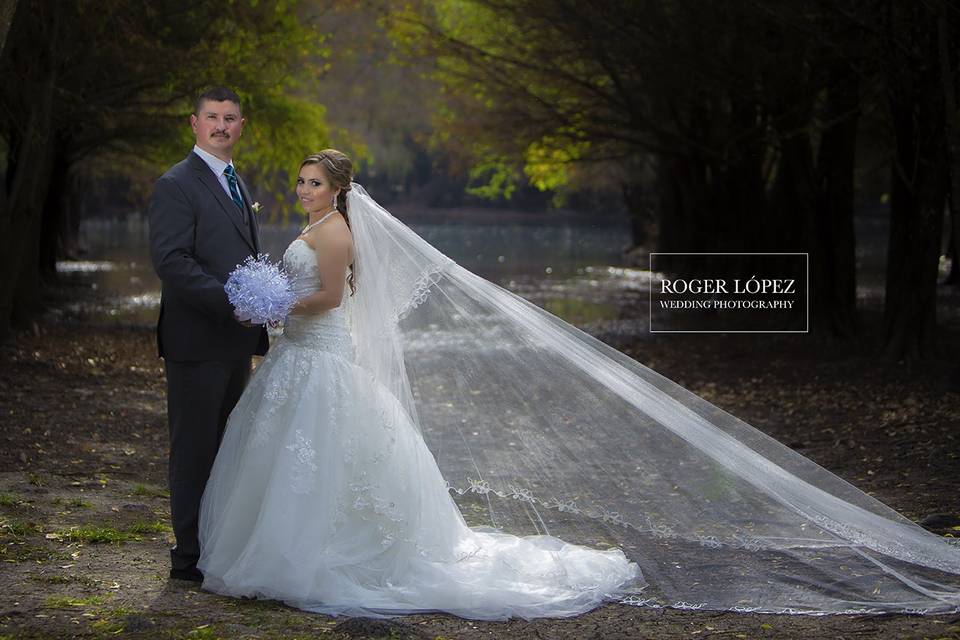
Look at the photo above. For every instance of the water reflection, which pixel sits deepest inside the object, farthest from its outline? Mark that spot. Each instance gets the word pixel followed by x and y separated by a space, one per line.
pixel 575 272
pixel 84 266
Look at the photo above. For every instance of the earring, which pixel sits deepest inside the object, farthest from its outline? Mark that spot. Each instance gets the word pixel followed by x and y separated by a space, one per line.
pixel 334 203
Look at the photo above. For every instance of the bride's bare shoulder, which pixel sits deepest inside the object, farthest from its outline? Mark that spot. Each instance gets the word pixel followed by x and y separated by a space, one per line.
pixel 331 233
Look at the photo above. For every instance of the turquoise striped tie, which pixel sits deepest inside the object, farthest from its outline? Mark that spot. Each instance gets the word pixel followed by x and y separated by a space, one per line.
pixel 234 189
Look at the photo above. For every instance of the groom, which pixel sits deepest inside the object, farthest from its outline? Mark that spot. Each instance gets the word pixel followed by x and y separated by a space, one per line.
pixel 201 227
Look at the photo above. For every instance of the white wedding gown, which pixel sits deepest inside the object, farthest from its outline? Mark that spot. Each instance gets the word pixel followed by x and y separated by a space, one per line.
pixel 324 496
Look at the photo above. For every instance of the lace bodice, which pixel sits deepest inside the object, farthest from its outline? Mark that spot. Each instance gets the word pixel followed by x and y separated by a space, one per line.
pixel 300 263
pixel 327 331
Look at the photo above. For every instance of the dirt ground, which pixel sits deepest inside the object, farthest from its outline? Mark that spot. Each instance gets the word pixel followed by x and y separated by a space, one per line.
pixel 84 513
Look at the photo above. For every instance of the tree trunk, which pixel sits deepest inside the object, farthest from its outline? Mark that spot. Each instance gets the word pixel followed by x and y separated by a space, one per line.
pixel 20 226
pixel 919 188
pixel 53 218
pixel 910 310
pixel 637 202
pixel 7 10
pixel 833 254
pixel 680 183
pixel 29 167
pixel 945 37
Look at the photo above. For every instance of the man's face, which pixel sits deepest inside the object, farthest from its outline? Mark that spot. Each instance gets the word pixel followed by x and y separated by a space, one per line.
pixel 217 127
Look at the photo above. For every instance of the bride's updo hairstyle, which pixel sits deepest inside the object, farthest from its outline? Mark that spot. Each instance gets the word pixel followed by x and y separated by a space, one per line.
pixel 339 170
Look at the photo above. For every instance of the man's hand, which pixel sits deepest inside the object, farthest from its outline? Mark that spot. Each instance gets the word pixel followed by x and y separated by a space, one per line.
pixel 245 323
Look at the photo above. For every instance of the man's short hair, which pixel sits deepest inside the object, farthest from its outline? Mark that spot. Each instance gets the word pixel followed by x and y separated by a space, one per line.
pixel 216 94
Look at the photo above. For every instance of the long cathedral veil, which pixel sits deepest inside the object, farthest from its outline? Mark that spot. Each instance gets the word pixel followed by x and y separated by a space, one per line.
pixel 539 428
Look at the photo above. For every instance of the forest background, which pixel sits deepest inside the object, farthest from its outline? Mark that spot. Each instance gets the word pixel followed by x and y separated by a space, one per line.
pixel 741 126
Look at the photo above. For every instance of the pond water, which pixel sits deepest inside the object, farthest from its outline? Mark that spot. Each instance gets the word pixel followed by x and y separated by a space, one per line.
pixel 577 272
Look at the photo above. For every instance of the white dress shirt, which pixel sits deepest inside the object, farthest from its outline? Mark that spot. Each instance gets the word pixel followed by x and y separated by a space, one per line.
pixel 217 166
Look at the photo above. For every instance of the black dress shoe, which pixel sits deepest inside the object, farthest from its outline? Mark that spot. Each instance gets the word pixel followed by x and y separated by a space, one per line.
pixel 193 574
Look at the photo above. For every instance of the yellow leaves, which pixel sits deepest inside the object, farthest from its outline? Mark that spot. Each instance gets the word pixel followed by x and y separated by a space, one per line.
pixel 281 132
pixel 548 161
pixel 496 176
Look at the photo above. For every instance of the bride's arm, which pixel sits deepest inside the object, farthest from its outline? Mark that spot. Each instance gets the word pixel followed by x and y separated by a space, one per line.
pixel 332 245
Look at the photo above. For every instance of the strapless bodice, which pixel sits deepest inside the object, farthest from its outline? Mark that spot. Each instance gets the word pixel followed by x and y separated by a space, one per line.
pixel 328 331
pixel 300 263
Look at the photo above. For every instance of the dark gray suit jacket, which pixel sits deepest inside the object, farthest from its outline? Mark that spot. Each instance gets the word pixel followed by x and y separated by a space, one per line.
pixel 197 237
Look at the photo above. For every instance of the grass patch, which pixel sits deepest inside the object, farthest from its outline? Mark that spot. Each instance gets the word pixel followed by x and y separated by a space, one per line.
pixel 99 534
pixel 18 528
pixel 257 613
pixel 110 621
pixel 117 612
pixel 72 502
pixel 59 579
pixel 150 492
pixel 107 627
pixel 149 527
pixel 23 552
pixel 94 534
pixel 35 479
pixel 203 632
pixel 9 500
pixel 65 602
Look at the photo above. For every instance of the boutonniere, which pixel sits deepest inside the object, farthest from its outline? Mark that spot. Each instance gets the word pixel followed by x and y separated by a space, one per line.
pixel 257 207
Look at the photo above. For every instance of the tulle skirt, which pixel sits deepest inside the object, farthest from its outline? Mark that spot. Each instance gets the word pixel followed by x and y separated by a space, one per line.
pixel 324 495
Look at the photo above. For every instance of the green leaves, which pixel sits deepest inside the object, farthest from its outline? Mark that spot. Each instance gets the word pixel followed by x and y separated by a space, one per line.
pixel 127 100
pixel 492 178
pixel 548 162
pixel 519 79
pixel 279 133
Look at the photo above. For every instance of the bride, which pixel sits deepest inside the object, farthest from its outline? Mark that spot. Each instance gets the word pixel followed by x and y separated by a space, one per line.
pixel 419 439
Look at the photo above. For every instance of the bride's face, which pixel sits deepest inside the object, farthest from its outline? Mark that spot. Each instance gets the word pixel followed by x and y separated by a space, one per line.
pixel 314 189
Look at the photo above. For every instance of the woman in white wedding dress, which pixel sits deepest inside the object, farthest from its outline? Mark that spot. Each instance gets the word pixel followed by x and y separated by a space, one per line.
pixel 324 494
pixel 403 382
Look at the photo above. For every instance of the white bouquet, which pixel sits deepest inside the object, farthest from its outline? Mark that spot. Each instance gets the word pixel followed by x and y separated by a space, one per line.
pixel 260 291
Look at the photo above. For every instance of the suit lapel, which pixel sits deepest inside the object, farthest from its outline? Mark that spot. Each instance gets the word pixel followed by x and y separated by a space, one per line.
pixel 251 214
pixel 205 175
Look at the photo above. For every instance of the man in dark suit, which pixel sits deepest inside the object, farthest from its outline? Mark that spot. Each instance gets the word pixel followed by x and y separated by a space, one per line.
pixel 201 226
